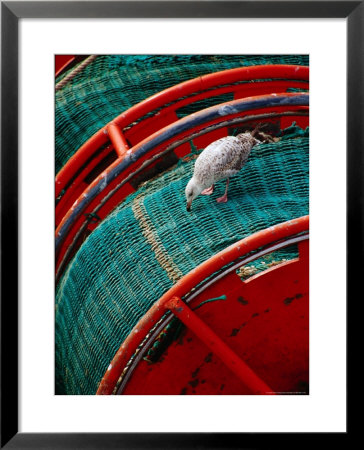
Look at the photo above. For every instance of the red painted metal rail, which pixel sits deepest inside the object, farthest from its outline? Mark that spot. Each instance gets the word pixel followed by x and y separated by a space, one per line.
pixel 218 346
pixel 62 62
pixel 160 110
pixel 283 234
pixel 116 182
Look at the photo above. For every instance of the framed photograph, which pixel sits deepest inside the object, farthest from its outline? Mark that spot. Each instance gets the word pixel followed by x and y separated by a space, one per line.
pixel 190 143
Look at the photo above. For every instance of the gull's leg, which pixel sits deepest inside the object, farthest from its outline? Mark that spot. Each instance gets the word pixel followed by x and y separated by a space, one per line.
pixel 224 198
pixel 208 191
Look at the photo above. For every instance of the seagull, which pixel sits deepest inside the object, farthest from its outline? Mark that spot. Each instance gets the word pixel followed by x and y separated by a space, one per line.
pixel 220 159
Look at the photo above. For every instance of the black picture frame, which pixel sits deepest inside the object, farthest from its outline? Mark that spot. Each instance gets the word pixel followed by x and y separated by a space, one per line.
pixel 11 12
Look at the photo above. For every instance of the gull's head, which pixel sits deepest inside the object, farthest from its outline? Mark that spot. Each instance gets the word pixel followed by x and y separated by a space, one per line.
pixel 193 189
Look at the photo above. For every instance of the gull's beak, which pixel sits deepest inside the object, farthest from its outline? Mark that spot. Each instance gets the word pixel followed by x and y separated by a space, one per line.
pixel 189 206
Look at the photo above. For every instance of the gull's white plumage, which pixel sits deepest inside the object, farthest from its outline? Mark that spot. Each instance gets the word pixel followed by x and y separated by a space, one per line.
pixel 220 159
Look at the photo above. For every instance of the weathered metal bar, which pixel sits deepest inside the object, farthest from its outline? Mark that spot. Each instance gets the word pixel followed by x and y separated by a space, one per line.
pixel 117 139
pixel 218 346
pixel 278 72
pixel 168 133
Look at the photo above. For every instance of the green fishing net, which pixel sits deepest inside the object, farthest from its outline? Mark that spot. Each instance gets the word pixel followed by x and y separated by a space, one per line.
pixel 112 84
pixel 150 241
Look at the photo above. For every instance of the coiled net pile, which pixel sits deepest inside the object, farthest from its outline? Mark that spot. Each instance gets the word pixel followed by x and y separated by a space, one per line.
pixel 150 241
pixel 112 84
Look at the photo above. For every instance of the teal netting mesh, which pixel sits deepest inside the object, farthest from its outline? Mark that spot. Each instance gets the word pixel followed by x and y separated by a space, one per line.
pixel 113 83
pixel 150 241
pixel 267 261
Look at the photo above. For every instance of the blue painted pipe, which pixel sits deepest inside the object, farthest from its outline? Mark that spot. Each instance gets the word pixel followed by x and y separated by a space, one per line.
pixel 222 110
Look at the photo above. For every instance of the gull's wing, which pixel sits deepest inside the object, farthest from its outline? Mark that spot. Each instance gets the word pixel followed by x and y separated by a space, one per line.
pixel 223 157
